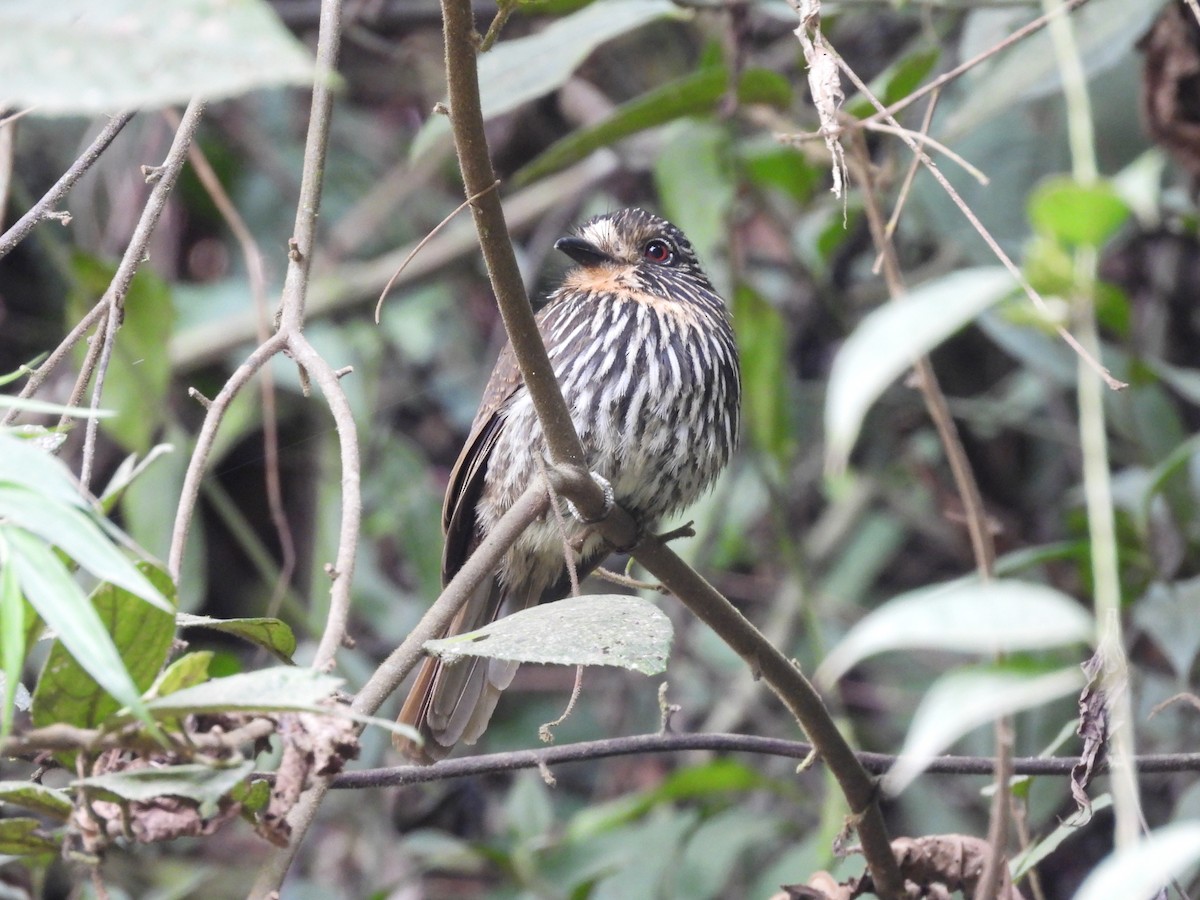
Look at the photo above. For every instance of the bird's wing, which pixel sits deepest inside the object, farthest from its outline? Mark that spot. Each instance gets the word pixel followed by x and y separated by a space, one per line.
pixel 466 478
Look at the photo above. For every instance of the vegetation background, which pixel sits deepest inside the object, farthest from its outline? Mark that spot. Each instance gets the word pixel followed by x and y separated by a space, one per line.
pixel 840 511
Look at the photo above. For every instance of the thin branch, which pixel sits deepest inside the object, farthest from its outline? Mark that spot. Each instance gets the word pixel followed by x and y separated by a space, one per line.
pixel 425 240
pixel 204 444
pixel 585 751
pixel 256 272
pixel 343 567
pixel 42 372
pixel 570 478
pixel 996 249
pixel 131 261
pixel 888 113
pixel 51 199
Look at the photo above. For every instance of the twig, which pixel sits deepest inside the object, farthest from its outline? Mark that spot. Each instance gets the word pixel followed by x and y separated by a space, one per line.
pixel 29 221
pixel 90 359
pixel 131 261
pixel 425 240
pixel 999 253
pixel 343 417
pixel 668 742
pixel 42 372
pixel 914 166
pixel 571 478
pixel 204 443
pixel 256 272
pixel 945 78
pixel 924 140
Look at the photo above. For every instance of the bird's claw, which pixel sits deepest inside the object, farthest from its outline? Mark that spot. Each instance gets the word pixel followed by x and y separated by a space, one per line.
pixel 610 501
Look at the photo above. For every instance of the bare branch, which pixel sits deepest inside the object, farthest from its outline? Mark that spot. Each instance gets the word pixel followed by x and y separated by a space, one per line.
pixel 131 261
pixel 21 228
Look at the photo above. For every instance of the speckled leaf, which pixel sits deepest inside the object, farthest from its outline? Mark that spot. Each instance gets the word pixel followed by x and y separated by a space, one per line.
pixel 593 630
pixel 280 688
pixel 187 671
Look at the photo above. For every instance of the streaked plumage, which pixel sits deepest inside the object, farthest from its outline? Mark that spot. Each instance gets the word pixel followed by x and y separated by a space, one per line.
pixel 643 349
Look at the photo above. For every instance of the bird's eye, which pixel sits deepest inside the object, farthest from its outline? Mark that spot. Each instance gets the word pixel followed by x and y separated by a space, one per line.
pixel 660 252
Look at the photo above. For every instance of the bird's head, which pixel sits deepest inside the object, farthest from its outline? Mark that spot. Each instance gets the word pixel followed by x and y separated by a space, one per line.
pixel 636 248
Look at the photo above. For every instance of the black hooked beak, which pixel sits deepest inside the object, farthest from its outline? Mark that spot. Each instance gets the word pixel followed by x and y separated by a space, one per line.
pixel 584 253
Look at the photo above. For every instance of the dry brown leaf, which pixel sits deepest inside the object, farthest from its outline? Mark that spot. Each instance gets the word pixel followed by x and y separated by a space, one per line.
pixel 1093 728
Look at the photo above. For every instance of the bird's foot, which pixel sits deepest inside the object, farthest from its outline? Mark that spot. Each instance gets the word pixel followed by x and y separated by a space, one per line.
pixel 610 501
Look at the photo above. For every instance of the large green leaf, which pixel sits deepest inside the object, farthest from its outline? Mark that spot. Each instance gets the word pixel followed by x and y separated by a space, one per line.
pixel 762 339
pixel 593 630
pixel 890 339
pixel 25 837
pixel 961 701
pixel 142 636
pixel 1147 867
pixel 517 71
pixel 274 635
pixel 698 93
pixel 12 636
pixel 60 602
pixel 78 536
pixel 267 690
pixel 81 57
pixel 964 616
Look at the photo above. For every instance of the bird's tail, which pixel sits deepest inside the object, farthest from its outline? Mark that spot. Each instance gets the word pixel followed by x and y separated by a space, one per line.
pixel 452 703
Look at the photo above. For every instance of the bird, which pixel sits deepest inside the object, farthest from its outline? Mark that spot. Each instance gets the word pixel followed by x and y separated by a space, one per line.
pixel 643 349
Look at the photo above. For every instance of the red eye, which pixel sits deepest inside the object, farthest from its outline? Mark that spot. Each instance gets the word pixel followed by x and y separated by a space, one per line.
pixel 660 252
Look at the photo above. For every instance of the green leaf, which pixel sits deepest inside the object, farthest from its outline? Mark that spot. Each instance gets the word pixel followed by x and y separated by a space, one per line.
pixel 187 671
pixel 271 634
pixel 127 472
pixel 73 531
pixel 964 616
pixel 715 849
pixel 267 690
pixel 24 463
pixel 37 797
pixel 784 168
pixel 1071 826
pixel 959 702
pixel 762 339
pixel 693 95
pixel 50 589
pixel 254 796
pixel 894 83
pixel 514 72
pixel 206 785
pixel 139 372
pixel 66 694
pixel 24 837
pixel 1147 867
pixel 890 339
pixel 694 177
pixel 1077 215
pixel 594 630
pixel 12 636
pixel 77 57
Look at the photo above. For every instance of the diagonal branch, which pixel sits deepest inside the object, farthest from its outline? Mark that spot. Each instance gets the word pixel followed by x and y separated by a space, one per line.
pixel 784 678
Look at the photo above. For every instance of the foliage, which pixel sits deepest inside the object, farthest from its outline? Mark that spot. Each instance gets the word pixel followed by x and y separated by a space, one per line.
pixel 839 530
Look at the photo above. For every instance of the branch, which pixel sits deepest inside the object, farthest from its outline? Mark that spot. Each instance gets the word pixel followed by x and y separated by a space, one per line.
pixel 584 751
pixel 21 228
pixel 131 261
pixel 784 678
